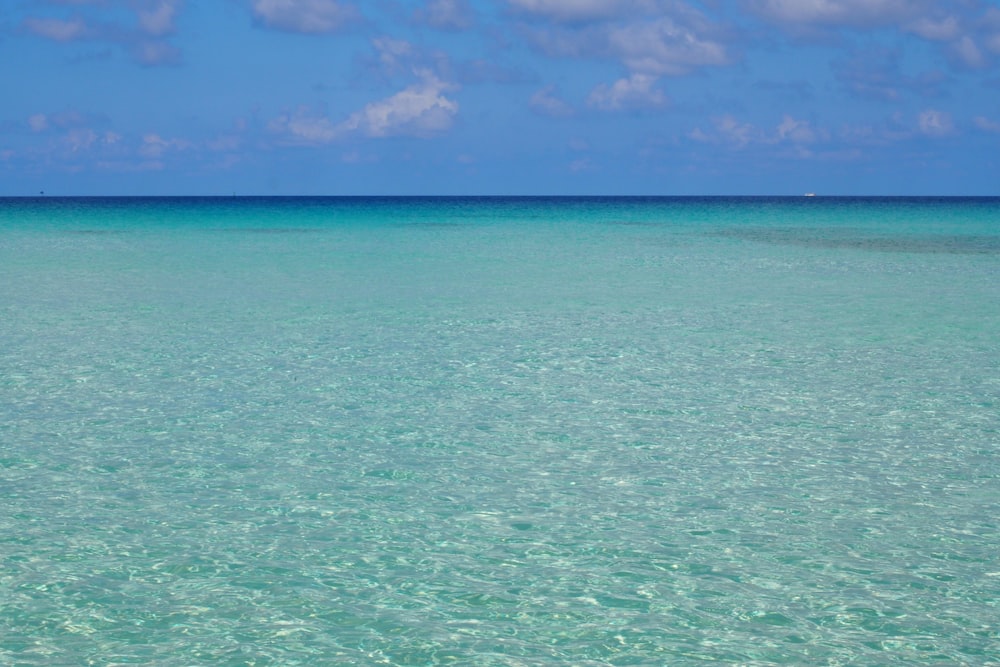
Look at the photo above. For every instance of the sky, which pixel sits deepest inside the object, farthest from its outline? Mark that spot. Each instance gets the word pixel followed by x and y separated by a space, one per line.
pixel 499 97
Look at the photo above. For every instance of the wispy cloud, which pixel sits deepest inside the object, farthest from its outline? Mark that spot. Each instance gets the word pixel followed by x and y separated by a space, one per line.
pixel 835 13
pixel 651 37
pixel 156 17
pixel 311 17
pixel 155 146
pixel 967 32
pixel 446 14
pixel 876 73
pixel 571 10
pixel 666 46
pixel 634 92
pixel 304 126
pixel 935 123
pixel 38 122
pixel 987 125
pixel 145 40
pixel 729 130
pixel 547 103
pixel 58 30
pixel 420 110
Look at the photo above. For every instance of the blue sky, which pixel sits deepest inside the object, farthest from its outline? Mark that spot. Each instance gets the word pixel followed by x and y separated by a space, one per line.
pixel 338 97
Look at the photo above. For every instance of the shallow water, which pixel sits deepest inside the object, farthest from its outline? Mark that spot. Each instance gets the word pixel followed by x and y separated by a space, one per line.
pixel 499 431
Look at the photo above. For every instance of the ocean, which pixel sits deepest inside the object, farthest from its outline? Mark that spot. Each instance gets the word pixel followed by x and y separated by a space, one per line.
pixel 500 431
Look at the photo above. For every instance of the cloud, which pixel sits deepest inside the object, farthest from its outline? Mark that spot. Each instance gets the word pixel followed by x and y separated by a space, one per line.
pixel 392 53
pixel 305 127
pixel 156 18
pixel 967 52
pixel 311 17
pixel 483 70
pixel 987 125
pixel 56 29
pixel 655 37
pixel 934 123
pixel 941 29
pixel 80 139
pixel 790 131
pixel 728 129
pixel 420 110
pixel 224 143
pixel 143 41
pixel 155 146
pixel 83 140
pixel 664 47
pixel 64 120
pixel 571 10
pixel 795 131
pixel 635 92
pixel 876 74
pixel 856 13
pixel 155 52
pixel 546 103
pixel 446 14
pixel 38 122
pixel 991 24
pixel 965 31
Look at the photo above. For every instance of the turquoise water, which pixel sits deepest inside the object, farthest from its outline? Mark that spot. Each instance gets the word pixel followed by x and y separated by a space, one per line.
pixel 500 431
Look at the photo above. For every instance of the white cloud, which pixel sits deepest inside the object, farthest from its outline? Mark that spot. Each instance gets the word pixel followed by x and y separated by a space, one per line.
pixel 224 143
pixel 419 110
pixel 38 122
pixel 80 139
pixel 571 10
pixel 735 132
pixel 305 16
pixel 635 92
pixel 305 127
pixel 154 52
pixel 64 120
pixel 154 146
pixel 795 131
pixel 935 29
pixel 860 13
pixel 965 30
pixel 57 30
pixel 987 125
pixel 154 20
pixel 656 37
pixel 391 51
pixel 728 130
pixel 664 47
pixel 546 103
pixel 993 43
pixel 157 17
pixel 790 131
pixel 990 25
pixel 446 14
pixel 967 52
pixel 934 123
